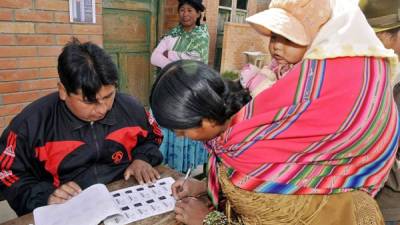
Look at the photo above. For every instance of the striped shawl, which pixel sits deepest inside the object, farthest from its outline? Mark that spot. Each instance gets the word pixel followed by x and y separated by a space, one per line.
pixel 328 126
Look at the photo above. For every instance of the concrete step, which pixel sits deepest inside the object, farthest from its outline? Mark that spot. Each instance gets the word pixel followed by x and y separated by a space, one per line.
pixel 6 213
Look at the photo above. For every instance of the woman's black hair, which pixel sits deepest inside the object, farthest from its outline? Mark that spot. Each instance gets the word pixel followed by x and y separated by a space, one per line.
pixel 188 91
pixel 86 67
pixel 197 5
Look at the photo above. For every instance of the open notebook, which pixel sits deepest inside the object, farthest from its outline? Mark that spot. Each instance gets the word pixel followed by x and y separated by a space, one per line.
pixel 123 206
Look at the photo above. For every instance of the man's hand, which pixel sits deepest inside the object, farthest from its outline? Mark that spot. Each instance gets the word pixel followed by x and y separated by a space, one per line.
pixel 142 171
pixel 64 193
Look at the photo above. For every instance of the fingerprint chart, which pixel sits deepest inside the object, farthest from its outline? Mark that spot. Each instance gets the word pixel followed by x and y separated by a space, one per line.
pixel 142 201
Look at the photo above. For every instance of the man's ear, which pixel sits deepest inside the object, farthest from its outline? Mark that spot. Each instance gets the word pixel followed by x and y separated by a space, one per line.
pixel 61 91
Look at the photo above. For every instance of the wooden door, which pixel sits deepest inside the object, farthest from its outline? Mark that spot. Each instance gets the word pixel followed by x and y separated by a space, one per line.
pixel 129 36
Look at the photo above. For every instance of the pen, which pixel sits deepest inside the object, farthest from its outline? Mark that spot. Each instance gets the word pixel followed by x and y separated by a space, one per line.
pixel 186 177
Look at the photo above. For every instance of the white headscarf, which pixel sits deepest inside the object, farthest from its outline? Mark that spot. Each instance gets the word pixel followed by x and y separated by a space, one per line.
pixel 347 33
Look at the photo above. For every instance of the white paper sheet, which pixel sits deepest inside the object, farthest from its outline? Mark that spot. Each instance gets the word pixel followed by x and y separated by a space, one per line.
pixel 142 201
pixel 123 206
pixel 90 207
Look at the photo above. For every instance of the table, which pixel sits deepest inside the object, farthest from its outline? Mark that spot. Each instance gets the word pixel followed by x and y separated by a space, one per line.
pixel 163 219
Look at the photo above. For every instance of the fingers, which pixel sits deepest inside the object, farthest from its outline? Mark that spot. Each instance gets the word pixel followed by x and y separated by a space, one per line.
pixel 152 177
pixel 64 193
pixel 177 190
pixel 179 209
pixel 55 200
pixel 156 174
pixel 182 194
pixel 142 171
pixel 179 212
pixel 145 176
pixel 139 178
pixel 179 217
pixel 74 187
pixel 127 174
pixel 189 210
pixel 67 191
pixel 149 175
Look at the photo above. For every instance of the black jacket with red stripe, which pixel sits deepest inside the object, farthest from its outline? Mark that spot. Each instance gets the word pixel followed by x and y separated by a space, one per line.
pixel 46 146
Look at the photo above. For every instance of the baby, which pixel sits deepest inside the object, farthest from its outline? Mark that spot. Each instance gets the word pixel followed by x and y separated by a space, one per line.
pixel 291 26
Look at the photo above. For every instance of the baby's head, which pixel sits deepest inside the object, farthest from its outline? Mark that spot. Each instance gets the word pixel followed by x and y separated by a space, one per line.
pixel 292 23
pixel 285 51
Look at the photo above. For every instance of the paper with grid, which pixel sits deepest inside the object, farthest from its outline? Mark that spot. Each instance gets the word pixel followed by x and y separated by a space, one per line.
pixel 142 201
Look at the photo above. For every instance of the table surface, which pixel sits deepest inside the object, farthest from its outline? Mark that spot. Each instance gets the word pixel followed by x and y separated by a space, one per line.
pixel 163 219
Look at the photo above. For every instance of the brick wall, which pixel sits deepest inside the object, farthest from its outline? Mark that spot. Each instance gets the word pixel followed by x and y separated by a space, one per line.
pixel 32 33
pixel 262 5
pixel 170 15
pixel 241 37
pixel 237 39
pixel 212 22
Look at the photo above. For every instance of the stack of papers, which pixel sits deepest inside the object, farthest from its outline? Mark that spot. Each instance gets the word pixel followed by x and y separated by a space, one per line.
pixel 123 206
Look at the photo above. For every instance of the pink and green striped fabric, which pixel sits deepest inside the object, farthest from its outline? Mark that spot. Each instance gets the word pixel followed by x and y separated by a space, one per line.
pixel 328 126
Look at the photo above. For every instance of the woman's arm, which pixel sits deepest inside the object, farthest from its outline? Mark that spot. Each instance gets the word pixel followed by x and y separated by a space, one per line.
pixel 157 57
pixel 197 49
pixel 174 56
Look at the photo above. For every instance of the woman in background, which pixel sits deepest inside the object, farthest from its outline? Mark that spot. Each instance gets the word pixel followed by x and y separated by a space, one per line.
pixel 188 40
pixel 382 17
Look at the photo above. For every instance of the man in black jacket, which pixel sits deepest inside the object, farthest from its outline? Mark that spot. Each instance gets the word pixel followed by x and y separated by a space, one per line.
pixel 86 133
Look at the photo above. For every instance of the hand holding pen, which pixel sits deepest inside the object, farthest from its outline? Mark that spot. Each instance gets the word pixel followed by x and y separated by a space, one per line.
pixel 188 173
pixel 188 187
pixel 189 207
pixel 180 189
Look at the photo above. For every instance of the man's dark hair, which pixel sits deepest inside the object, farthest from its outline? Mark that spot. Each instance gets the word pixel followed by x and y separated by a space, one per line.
pixel 86 67
pixel 188 91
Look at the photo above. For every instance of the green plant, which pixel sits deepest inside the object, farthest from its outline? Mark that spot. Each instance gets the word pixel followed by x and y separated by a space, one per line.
pixel 231 75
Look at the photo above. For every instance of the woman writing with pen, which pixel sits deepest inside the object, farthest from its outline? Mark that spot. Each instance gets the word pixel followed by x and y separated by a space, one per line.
pixel 254 167
pixel 312 149
pixel 293 159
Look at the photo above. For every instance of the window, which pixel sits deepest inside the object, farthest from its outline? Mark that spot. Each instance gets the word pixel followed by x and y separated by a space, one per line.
pixel 241 4
pixel 82 11
pixel 226 3
pixel 231 11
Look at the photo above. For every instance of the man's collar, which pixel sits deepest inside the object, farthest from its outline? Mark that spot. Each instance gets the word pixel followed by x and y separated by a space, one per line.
pixel 110 118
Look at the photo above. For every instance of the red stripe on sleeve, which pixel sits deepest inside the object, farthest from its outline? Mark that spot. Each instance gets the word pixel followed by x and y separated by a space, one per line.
pixel 5 162
pixel 8 155
pixel 5 178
